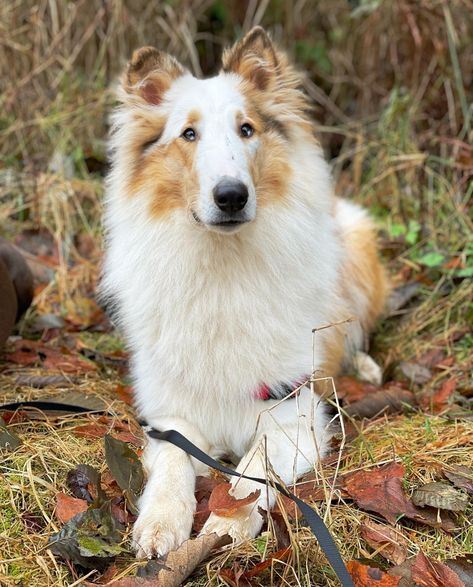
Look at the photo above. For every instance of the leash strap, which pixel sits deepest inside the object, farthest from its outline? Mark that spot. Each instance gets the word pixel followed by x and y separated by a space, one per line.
pixel 315 522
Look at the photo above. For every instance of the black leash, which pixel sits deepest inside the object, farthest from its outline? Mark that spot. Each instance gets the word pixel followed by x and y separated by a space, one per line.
pixel 315 522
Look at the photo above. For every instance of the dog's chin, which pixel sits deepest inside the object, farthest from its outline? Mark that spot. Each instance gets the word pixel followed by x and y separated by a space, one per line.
pixel 222 227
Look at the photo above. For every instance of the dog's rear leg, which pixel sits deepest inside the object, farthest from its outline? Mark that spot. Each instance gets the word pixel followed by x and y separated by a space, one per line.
pixel 290 439
pixel 167 504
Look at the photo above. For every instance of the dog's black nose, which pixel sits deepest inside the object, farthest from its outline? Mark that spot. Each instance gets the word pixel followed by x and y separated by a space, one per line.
pixel 230 195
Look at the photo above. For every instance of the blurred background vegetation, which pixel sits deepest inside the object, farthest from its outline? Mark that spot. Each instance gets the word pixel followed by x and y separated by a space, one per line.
pixel 391 83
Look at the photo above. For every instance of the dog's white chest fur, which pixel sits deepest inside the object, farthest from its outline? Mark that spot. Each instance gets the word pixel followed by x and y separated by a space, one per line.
pixel 215 316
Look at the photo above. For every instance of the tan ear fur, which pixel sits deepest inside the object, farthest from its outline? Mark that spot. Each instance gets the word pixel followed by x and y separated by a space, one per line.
pixel 150 73
pixel 254 58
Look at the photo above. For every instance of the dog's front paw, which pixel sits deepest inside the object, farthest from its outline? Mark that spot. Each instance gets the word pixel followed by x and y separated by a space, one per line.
pixel 246 525
pixel 162 528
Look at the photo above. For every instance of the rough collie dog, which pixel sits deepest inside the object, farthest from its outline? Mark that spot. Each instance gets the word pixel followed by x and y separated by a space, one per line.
pixel 225 247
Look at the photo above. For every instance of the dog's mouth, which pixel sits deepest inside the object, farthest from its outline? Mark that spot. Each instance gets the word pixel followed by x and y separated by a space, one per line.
pixel 231 225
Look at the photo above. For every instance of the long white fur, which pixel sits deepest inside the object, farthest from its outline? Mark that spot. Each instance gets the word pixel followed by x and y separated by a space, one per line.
pixel 209 317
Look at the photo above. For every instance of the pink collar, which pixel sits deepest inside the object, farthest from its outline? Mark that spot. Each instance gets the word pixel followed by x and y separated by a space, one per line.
pixel 281 390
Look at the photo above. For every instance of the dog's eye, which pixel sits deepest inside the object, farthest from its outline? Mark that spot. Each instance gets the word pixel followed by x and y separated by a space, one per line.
pixel 189 134
pixel 246 130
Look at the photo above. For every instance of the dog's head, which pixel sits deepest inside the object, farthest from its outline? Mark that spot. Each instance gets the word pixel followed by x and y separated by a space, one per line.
pixel 216 149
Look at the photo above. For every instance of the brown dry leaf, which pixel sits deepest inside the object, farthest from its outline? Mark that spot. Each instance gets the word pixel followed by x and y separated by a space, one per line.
pixel 429 573
pixel 461 477
pixel 30 352
pixel 100 430
pixel 438 400
pixel 440 495
pixel 380 490
pixel 67 507
pixel 351 390
pixel 390 399
pixel 224 504
pixel 365 576
pixel 203 488
pixel 389 543
pixel 180 563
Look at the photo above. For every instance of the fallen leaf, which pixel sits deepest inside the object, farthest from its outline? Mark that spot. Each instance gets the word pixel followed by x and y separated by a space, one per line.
pixel 365 576
pixel 440 495
pixel 390 399
pixel 84 483
pixel 203 488
pixel 125 467
pixel 90 430
pixel 91 539
pixel 222 503
pixel 380 490
pixel 438 400
pixel 351 390
pixel 427 572
pixel 30 352
pixel 67 507
pixel 96 430
pixel 178 564
pixel 388 542
pixel 415 372
pixel 461 477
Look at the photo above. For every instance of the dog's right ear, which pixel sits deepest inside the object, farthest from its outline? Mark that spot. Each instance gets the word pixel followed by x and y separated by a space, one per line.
pixel 150 73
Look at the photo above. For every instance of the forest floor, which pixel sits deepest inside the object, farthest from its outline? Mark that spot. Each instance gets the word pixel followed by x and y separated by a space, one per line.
pixel 67 350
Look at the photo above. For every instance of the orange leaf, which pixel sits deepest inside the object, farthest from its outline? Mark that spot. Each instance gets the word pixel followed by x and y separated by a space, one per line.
pixel 364 576
pixel 224 504
pixel 67 507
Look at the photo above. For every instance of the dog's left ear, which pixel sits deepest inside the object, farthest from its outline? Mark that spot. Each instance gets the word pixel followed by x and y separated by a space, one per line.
pixel 254 58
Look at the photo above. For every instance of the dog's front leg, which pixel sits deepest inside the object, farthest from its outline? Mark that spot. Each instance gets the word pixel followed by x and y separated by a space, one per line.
pixel 290 438
pixel 167 504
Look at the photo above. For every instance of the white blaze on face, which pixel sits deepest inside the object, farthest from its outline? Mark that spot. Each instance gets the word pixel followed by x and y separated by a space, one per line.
pixel 220 150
